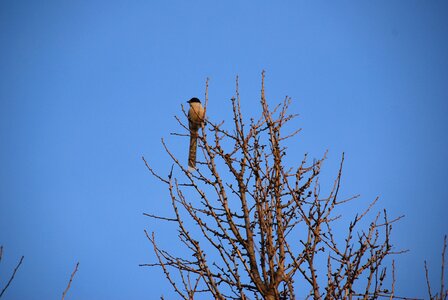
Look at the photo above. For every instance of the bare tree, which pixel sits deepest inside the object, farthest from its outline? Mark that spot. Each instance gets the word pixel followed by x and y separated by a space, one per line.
pixel 254 227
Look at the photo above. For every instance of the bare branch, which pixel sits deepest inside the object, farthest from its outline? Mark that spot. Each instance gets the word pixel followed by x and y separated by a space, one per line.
pixel 13 274
pixel 443 292
pixel 70 281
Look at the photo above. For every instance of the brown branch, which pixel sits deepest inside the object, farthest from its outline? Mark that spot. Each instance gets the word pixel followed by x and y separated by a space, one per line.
pixel 70 281
pixel 392 292
pixel 443 292
pixel 13 274
pixel 159 255
pixel 159 217
pixel 152 171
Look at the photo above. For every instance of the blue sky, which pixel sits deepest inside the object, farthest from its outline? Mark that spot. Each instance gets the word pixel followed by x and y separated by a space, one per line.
pixel 88 87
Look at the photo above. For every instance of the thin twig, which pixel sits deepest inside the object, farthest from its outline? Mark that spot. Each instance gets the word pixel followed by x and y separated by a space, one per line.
pixel 152 171
pixel 443 293
pixel 70 282
pixel 12 276
pixel 392 293
pixel 159 217
pixel 427 281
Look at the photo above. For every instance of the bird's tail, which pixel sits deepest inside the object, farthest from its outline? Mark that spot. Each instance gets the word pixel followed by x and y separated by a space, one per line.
pixel 193 147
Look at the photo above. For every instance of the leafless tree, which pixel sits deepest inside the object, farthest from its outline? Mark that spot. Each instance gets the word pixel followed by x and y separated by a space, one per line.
pixel 253 227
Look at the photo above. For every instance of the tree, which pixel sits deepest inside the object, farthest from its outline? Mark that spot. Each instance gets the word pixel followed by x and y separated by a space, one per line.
pixel 256 228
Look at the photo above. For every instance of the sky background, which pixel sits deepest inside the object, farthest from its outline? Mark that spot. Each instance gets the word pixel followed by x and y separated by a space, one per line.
pixel 88 87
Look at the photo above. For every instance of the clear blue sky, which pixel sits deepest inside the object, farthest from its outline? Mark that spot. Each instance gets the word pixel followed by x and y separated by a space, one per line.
pixel 87 87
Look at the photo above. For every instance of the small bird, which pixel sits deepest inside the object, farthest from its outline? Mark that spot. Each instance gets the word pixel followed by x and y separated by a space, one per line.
pixel 195 120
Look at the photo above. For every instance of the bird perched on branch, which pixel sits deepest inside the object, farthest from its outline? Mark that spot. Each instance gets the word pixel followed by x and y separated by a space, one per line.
pixel 195 120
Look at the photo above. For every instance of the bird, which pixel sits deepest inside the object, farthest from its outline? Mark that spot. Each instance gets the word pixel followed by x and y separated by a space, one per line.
pixel 196 115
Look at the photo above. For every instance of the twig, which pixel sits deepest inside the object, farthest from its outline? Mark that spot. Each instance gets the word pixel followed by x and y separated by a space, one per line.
pixel 179 134
pixel 392 293
pixel 70 282
pixel 159 217
pixel 427 281
pixel 152 171
pixel 12 277
pixel 443 293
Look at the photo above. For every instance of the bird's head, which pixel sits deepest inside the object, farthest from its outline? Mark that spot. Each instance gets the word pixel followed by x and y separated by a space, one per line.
pixel 194 100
